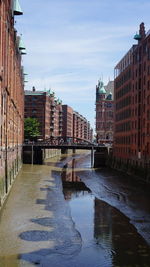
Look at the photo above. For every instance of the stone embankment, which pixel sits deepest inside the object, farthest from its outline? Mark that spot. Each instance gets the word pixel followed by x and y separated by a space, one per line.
pixel 138 170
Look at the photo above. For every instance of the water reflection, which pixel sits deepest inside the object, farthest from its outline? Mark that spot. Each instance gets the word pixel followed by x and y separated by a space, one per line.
pixel 107 235
pixel 113 229
pixel 42 226
pixel 72 184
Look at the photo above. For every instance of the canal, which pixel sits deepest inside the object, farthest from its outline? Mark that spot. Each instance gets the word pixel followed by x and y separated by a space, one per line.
pixel 64 214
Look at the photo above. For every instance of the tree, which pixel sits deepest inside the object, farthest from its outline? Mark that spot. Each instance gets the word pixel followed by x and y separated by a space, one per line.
pixel 31 128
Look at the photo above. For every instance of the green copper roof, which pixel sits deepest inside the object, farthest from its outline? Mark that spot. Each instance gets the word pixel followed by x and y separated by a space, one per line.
pixel 52 93
pixel 48 92
pixel 59 102
pixel 21 44
pixel 137 36
pixel 23 52
pixel 101 89
pixel 33 93
pixel 16 8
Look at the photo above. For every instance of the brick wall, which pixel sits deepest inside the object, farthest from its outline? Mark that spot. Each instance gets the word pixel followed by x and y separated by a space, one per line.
pixel 11 100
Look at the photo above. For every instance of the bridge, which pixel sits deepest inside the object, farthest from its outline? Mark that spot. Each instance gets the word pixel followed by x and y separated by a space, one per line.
pixel 33 151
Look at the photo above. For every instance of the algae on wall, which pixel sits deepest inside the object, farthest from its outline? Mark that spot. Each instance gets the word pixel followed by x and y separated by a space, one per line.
pixel 9 172
pixel 140 171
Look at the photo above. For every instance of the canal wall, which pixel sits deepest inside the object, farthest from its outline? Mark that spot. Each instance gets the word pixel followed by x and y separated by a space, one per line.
pixel 101 157
pixel 10 164
pixel 67 151
pixel 37 155
pixel 50 153
pixel 136 169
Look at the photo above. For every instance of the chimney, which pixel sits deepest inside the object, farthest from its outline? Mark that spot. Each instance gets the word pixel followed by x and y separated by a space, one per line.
pixel 142 31
pixel 33 89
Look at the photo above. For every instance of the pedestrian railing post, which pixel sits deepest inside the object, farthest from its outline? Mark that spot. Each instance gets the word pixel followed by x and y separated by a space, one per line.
pixel 32 155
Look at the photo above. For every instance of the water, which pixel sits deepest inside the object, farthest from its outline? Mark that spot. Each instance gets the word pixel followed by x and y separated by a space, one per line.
pixel 108 237
pixel 65 214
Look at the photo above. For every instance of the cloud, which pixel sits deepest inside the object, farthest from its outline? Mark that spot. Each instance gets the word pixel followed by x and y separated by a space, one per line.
pixel 71 43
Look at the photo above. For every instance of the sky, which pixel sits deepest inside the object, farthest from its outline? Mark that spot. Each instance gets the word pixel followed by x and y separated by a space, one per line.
pixel 71 44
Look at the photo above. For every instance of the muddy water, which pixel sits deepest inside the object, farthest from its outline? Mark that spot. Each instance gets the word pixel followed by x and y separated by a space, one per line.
pixel 108 236
pixel 65 214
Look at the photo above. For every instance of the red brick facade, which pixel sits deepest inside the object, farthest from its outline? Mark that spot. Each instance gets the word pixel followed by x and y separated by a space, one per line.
pixel 76 126
pixel 67 121
pixel 56 120
pixel 104 115
pixel 11 99
pixel 47 110
pixel 132 101
pixel 37 105
pixel 81 128
pixel 55 117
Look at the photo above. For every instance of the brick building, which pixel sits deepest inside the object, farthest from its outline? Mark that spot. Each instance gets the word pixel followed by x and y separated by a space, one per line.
pixel 67 116
pixel 90 134
pixel 78 126
pixel 11 97
pixel 81 128
pixel 104 114
pixel 55 116
pixel 43 106
pixel 132 100
pixel 75 125
pixel 56 120
pixel 37 105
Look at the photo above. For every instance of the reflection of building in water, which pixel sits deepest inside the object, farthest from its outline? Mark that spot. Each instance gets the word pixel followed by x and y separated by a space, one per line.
pixel 113 231
pixel 102 223
pixel 72 183
pixel 69 174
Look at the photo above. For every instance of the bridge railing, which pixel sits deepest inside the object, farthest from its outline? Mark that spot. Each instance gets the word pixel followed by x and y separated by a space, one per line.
pixel 60 141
